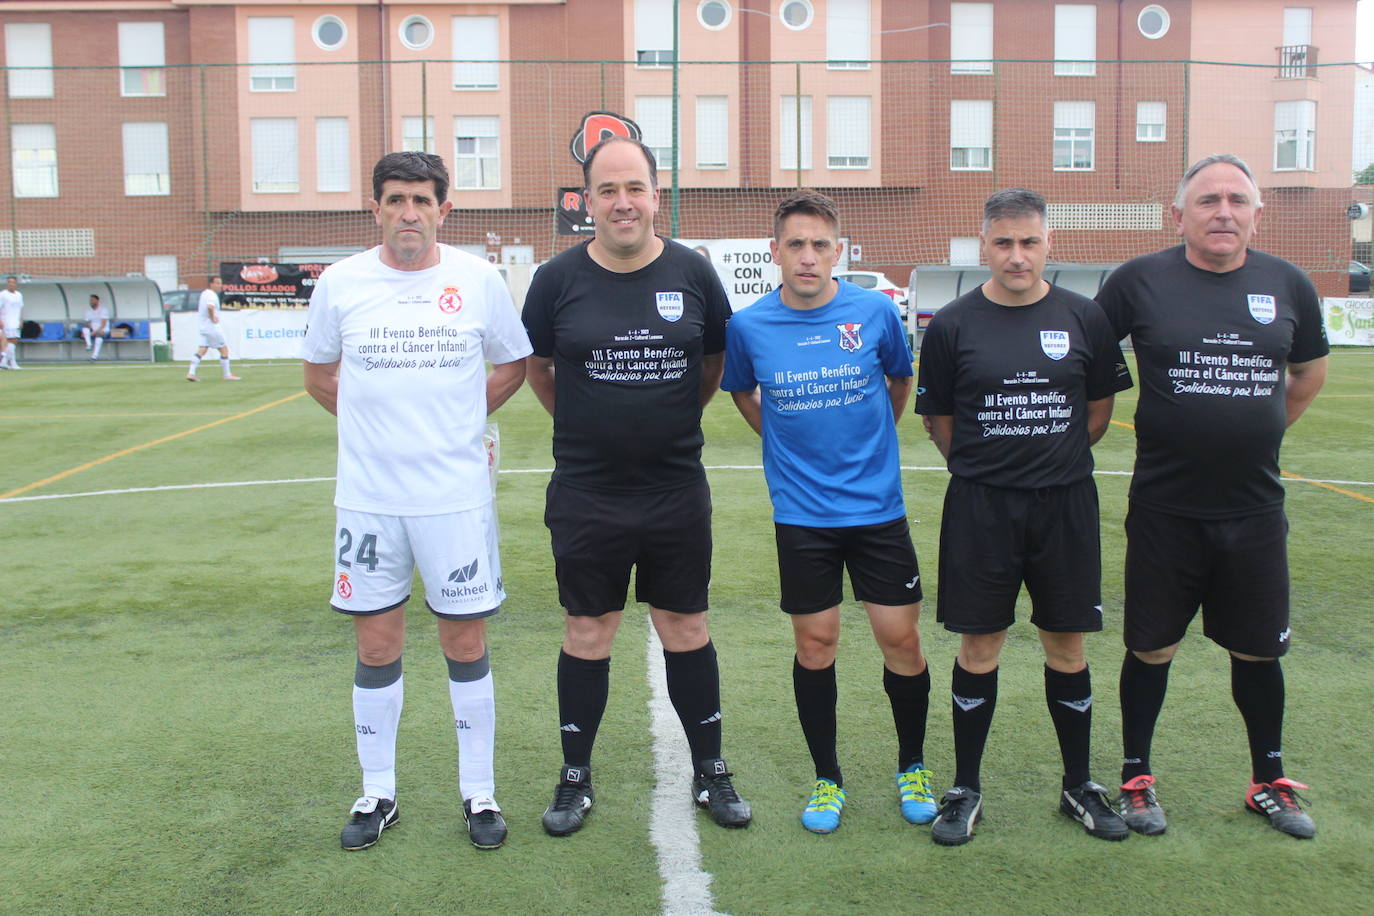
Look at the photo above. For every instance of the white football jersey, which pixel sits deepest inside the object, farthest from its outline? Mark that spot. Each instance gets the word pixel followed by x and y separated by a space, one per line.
pixel 412 403
pixel 209 299
pixel 11 307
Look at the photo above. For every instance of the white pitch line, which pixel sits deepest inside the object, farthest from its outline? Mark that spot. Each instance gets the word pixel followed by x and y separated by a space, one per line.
pixel 709 467
pixel 672 818
pixel 176 486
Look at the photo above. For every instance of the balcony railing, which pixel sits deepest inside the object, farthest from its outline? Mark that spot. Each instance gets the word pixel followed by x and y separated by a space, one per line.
pixel 1297 62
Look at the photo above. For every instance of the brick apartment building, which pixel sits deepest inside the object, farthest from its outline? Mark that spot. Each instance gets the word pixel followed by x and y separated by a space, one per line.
pixel 162 136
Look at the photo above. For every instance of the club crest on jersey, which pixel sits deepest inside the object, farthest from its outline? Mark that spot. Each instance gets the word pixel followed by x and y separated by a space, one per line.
pixel 849 336
pixel 1262 308
pixel 1055 343
pixel 450 303
pixel 669 305
pixel 345 588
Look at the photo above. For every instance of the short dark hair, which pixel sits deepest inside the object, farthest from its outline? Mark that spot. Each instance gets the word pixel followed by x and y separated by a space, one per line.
pixel 12 277
pixel 1181 194
pixel 410 165
pixel 95 296
pixel 811 203
pixel 212 278
pixel 591 155
pixel 1010 203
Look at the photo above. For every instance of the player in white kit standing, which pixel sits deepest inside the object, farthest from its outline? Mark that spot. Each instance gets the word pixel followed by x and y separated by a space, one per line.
pixel 396 347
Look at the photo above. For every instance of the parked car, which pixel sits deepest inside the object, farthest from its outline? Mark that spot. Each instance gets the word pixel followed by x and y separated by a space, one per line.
pixel 180 300
pixel 1359 277
pixel 871 279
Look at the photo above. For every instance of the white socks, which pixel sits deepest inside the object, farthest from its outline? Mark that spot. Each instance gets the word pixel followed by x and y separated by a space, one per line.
pixel 474 719
pixel 376 715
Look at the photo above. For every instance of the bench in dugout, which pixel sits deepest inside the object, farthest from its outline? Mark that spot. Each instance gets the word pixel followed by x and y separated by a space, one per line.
pixel 50 341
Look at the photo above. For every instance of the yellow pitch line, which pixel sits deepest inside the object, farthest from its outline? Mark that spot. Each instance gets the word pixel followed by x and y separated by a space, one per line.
pixel 1315 483
pixel 137 448
pixel 1327 486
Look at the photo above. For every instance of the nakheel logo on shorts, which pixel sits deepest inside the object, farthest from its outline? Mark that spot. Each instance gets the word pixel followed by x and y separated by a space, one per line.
pixel 669 305
pixel 460 575
pixel 1262 308
pixel 1055 344
pixel 450 303
pixel 343 586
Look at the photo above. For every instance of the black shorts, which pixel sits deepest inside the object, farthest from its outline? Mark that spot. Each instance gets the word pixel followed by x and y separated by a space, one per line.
pixel 1235 568
pixel 598 535
pixel 992 539
pixel 881 561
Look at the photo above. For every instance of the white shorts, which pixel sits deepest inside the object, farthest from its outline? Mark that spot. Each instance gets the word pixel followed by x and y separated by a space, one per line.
pixel 10 318
pixel 212 337
pixel 375 558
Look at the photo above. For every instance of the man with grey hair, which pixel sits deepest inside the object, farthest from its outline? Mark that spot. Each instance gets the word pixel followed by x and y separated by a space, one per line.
pixel 1231 350
pixel 1017 379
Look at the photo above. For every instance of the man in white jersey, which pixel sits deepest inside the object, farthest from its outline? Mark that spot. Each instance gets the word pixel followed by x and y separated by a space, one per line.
pixel 211 335
pixel 11 318
pixel 96 327
pixel 396 347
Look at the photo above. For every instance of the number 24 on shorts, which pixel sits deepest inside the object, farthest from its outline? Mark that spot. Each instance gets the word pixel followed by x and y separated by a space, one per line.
pixel 366 554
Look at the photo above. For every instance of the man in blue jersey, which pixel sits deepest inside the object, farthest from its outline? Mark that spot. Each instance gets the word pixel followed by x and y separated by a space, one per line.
pixel 821 369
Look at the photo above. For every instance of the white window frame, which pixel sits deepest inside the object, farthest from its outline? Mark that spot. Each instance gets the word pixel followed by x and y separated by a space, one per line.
pixel 403 30
pixel 417 134
pixel 476 50
pixel 804 24
pixel 1153 9
pixel 147 172
pixel 970 135
pixel 713 132
pixel 1151 122
pixel 1297 25
pixel 1295 136
pixel 702 6
pixel 333 155
pixel 28 45
pixel 34 163
pixel 1075 39
pixel 970 37
pixel 787 133
pixel 275 159
pixel 849 132
pixel 848 42
pixel 271 54
pixel 653 31
pixel 1075 129
pixel 484 157
pixel 142 59
pixel 321 22
pixel 654 115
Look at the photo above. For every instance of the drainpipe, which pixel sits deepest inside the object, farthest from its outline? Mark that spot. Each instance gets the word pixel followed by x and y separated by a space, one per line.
pixel 385 64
